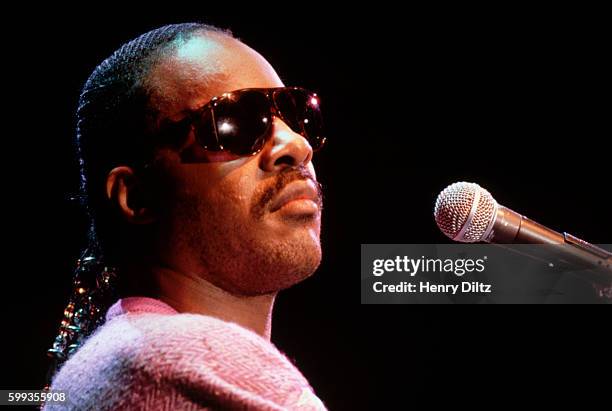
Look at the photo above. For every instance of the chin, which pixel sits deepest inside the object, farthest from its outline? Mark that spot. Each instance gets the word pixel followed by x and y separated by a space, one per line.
pixel 282 267
pixel 304 268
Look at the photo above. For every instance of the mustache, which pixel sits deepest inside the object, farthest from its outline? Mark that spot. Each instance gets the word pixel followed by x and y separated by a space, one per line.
pixel 284 178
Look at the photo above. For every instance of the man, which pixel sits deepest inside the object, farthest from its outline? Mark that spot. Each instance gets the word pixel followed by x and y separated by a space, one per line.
pixel 197 167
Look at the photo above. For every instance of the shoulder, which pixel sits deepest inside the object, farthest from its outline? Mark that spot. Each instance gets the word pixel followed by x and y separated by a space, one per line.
pixel 136 356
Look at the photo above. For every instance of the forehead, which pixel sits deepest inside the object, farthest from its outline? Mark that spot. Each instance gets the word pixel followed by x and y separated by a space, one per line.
pixel 203 67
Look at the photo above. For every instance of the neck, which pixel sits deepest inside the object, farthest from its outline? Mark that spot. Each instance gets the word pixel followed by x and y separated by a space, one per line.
pixel 188 293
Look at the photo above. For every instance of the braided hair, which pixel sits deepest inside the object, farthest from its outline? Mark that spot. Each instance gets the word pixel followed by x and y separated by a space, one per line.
pixel 113 122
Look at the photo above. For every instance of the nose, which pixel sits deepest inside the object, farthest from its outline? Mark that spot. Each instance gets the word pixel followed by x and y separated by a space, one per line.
pixel 285 148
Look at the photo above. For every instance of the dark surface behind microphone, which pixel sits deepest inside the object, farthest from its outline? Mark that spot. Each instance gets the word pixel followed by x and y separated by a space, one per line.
pixel 413 100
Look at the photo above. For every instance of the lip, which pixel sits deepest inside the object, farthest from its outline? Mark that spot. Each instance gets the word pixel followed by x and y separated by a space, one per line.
pixel 299 190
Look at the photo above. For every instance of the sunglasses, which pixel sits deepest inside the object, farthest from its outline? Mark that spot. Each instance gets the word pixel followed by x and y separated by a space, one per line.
pixel 240 121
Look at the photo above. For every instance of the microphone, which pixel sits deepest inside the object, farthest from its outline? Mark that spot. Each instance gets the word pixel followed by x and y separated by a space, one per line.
pixel 468 213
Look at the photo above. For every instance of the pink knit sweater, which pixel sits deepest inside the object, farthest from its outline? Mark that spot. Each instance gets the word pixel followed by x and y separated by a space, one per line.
pixel 148 356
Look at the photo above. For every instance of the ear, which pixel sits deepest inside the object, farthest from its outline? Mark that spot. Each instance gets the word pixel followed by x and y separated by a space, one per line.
pixel 125 190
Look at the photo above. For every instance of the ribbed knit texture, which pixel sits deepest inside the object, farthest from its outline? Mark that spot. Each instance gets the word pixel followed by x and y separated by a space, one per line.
pixel 149 357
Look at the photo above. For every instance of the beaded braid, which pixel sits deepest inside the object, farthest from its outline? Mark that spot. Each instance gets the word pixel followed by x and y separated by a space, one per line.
pixel 111 125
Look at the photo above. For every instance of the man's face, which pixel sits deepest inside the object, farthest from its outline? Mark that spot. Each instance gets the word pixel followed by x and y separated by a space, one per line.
pixel 249 225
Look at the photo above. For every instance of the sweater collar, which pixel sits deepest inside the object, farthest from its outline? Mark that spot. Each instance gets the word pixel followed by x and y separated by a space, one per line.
pixel 139 305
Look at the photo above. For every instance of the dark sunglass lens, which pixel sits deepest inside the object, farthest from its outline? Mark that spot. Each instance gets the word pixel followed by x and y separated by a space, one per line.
pixel 243 120
pixel 301 111
pixel 205 131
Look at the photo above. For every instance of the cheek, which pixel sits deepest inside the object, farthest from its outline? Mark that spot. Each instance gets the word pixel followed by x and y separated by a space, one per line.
pixel 238 186
pixel 223 191
pixel 231 198
pixel 245 189
pixel 220 157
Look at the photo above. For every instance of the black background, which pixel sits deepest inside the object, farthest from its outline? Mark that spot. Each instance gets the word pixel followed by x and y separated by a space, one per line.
pixel 516 100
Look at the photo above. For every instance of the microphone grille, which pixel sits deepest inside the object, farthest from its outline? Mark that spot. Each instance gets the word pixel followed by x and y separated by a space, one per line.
pixel 465 212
